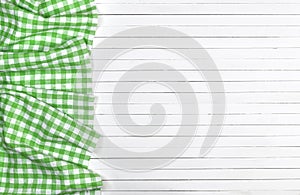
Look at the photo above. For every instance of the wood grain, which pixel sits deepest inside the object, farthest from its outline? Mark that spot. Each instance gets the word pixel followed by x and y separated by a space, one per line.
pixel 255 45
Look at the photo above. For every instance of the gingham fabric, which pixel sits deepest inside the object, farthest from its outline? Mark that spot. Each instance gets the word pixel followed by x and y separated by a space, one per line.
pixel 46 102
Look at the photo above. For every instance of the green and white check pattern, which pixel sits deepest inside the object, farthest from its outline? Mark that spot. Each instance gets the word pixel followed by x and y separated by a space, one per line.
pixel 46 101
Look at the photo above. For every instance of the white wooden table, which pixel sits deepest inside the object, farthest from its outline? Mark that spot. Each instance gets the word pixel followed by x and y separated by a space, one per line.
pixel 255 45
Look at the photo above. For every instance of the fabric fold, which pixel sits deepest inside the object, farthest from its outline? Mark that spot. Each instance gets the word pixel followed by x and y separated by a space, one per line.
pixel 46 101
pixel 27 30
pixel 72 53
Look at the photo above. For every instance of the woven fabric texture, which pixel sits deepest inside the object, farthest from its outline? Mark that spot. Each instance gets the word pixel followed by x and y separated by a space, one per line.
pixel 46 101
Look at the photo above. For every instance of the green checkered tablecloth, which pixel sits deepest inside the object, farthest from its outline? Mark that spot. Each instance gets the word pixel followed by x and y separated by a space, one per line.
pixel 46 101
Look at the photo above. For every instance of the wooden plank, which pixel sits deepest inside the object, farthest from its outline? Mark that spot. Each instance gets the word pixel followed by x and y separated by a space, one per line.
pixel 196 9
pixel 233 174
pixel 170 192
pixel 194 192
pixel 196 76
pixel 211 43
pixel 140 143
pixel 197 20
pixel 204 185
pixel 207 163
pixel 175 120
pixel 229 131
pixel 220 152
pixel 211 31
pixel 198 87
pixel 158 53
pixel 261 102
pixel 221 64
pixel 195 1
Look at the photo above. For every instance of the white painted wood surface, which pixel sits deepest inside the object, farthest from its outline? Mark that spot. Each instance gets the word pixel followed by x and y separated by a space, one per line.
pixel 255 45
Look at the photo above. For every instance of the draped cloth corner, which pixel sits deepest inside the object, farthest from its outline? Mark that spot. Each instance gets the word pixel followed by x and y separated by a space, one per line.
pixel 46 101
